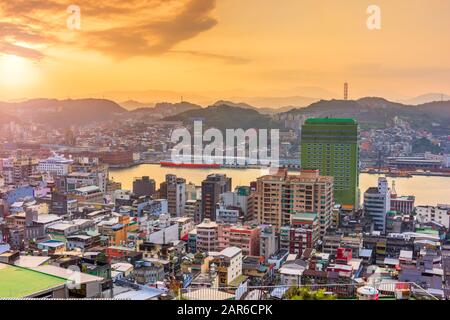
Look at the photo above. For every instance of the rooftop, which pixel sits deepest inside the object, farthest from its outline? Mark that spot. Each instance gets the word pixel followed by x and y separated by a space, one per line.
pixel 146 294
pixel 207 224
pixel 31 261
pixel 17 282
pixel 47 218
pixel 208 294
pixel 330 121
pixel 230 252
pixel 88 189
pixel 67 274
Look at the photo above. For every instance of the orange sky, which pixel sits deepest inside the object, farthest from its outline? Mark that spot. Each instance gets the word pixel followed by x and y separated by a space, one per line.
pixel 223 48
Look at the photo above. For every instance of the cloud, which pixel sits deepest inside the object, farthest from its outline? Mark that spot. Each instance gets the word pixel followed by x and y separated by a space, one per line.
pixel 14 36
pixel 155 37
pixel 120 29
pixel 20 51
pixel 225 58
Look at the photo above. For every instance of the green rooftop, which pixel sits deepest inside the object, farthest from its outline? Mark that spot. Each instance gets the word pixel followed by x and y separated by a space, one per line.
pixel 16 282
pixel 330 121
pixel 239 279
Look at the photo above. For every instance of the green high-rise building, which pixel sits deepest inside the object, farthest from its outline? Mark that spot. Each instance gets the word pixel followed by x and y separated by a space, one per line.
pixel 331 145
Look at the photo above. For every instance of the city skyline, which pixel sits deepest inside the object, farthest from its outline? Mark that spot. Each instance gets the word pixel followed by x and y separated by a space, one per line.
pixel 226 150
pixel 199 49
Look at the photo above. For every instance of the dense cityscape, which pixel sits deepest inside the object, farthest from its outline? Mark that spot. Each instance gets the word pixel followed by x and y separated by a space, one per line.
pixel 223 158
pixel 307 225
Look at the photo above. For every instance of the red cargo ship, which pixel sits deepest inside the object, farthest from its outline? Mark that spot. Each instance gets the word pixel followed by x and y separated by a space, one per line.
pixel 190 165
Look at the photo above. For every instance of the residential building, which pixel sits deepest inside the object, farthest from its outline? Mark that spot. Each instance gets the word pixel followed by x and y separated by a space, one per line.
pixel 268 242
pixel 192 209
pixel 144 186
pixel 185 225
pixel 75 180
pixel 212 187
pixel 207 236
pixel 239 198
pixel 246 238
pixel 17 170
pixel 303 233
pixel 377 204
pixel 331 242
pixel 281 195
pixel 439 214
pixel 82 241
pixel 192 241
pixel 61 230
pixel 228 264
pixel 155 208
pixel 63 204
pixel 115 230
pixel 89 194
pixel 192 192
pixel 291 272
pixel 148 273
pixel 228 214
pixel 174 190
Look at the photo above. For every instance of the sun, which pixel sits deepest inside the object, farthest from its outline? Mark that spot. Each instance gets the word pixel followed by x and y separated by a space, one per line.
pixel 16 71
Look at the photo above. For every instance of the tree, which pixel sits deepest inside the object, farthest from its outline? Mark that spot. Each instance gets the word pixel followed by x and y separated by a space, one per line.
pixel 304 293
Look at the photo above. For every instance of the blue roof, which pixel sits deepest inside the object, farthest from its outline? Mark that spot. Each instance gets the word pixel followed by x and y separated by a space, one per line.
pixel 117 226
pixel 144 294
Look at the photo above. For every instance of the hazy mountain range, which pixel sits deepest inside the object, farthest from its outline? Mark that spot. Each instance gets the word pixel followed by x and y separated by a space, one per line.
pixel 224 116
pixel 426 98
pixel 63 113
pixel 297 96
pixel 376 112
pixel 288 98
pixel 370 112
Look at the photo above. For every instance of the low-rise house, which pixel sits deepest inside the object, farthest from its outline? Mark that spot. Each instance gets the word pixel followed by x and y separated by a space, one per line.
pixel 228 264
pixel 291 272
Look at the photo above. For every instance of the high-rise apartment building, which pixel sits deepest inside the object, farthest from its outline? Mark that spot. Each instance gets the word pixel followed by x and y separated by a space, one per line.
pixel 174 190
pixel 279 196
pixel 331 146
pixel 144 186
pixel 212 187
pixel 377 203
pixel 192 210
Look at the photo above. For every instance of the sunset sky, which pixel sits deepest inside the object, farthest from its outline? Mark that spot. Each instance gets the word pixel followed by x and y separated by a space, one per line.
pixel 223 48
